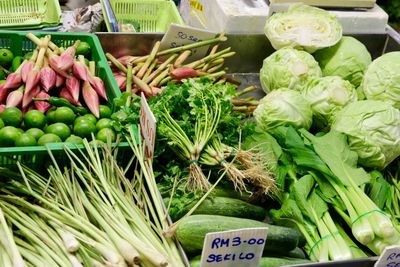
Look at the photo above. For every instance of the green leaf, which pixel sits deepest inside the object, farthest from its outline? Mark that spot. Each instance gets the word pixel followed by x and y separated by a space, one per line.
pixel 301 191
pixel 302 155
pixel 333 149
pixel 379 190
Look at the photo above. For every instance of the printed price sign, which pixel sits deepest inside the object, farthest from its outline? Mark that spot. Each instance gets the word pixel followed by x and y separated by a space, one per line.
pixel 234 248
pixel 178 35
pixel 147 126
pixel 390 257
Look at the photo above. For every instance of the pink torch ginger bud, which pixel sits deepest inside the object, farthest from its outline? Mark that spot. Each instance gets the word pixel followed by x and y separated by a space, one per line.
pixel 13 80
pixel 60 80
pixel 2 108
pixel 14 99
pixel 33 80
pixel 183 73
pixel 126 59
pixel 25 69
pixel 80 70
pixel 98 86
pixel 47 78
pixel 121 81
pixel 91 99
pixel 64 93
pixel 73 86
pixel 61 64
pixel 28 96
pixel 3 93
pixel 42 106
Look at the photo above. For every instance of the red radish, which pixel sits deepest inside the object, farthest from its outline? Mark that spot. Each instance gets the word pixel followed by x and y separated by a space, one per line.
pixel 60 80
pixel 14 99
pixel 32 80
pixel 91 99
pixel 98 86
pixel 184 72
pixel 28 96
pixel 13 80
pixel 2 107
pixel 42 106
pixel 47 78
pixel 121 81
pixel 26 69
pixel 73 86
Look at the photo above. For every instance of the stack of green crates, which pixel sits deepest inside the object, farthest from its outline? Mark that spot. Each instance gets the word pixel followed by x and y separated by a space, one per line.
pixel 146 15
pixel 29 14
pixel 37 157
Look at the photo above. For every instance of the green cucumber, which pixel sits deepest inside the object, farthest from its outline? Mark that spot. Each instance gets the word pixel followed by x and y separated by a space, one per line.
pixel 192 230
pixel 265 262
pixel 295 253
pixel 219 206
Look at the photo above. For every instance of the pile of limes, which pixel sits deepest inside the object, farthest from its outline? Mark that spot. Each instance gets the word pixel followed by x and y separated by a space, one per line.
pixel 57 125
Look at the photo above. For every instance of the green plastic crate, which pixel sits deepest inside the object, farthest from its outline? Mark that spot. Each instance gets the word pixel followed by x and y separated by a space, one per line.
pixel 37 157
pixel 29 14
pixel 151 15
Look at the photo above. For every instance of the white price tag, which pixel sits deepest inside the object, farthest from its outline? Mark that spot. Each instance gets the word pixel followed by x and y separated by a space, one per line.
pixel 236 248
pixel 147 126
pixel 390 257
pixel 178 35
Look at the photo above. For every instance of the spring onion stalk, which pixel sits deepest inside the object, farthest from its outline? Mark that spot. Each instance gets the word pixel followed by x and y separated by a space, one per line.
pixel 7 240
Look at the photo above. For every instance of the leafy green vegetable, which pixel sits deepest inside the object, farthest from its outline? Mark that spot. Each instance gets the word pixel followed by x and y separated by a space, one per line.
pixel 281 108
pixel 382 79
pixel 348 59
pixel 326 96
pixel 373 131
pixel 303 27
pixel 288 68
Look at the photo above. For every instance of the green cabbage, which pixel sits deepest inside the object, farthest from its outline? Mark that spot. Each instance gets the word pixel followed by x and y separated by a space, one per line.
pixel 348 59
pixel 327 96
pixel 283 107
pixel 382 79
pixel 303 27
pixel 373 130
pixel 288 68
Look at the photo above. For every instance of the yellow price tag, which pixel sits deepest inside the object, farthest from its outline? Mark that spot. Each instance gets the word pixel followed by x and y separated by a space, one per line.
pixel 196 5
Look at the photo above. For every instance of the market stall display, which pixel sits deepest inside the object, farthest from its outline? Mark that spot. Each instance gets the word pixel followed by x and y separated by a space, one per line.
pixel 296 130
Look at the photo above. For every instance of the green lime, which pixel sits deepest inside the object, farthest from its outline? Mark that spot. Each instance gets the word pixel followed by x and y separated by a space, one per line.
pixel 60 129
pixel 105 111
pixel 1 123
pixel 65 115
pixel 96 143
pixel 6 57
pixel 74 139
pixel 103 123
pixel 34 119
pixel 84 129
pixel 91 117
pixel 20 130
pixel 35 132
pixel 8 135
pixel 17 61
pixel 82 118
pixel 28 55
pixel 50 115
pixel 12 116
pixel 83 49
pixel 105 134
pixel 2 81
pixel 48 138
pixel 25 139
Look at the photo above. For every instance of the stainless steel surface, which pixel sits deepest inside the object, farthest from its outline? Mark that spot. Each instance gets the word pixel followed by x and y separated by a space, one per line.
pixel 251 51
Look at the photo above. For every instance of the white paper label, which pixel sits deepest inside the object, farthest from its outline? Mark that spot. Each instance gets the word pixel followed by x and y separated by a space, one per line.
pixel 178 35
pixel 147 126
pixel 390 257
pixel 236 248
